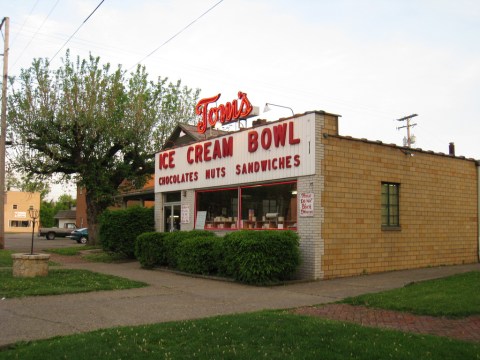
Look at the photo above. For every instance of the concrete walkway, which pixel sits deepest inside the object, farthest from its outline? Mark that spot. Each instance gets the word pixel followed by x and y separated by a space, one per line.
pixel 172 297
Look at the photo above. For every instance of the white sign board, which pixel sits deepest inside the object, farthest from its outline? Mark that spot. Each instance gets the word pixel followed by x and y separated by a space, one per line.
pixel 279 150
pixel 185 214
pixel 20 215
pixel 200 221
pixel 307 204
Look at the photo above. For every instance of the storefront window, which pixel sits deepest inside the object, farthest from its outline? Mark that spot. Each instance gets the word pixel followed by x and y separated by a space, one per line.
pixel 269 206
pixel 221 207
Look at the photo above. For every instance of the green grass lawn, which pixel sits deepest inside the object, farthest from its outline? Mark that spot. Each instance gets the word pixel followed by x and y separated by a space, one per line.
pixel 71 251
pixel 61 281
pixel 267 335
pixel 454 296
pixel 5 258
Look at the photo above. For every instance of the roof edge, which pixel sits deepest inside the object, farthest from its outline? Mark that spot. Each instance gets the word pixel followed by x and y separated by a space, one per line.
pixel 405 149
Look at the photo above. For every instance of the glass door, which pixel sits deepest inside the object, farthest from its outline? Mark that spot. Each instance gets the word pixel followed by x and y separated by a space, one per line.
pixel 172 217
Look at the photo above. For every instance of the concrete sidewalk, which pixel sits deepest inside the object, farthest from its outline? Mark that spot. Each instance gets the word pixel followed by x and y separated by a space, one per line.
pixel 172 297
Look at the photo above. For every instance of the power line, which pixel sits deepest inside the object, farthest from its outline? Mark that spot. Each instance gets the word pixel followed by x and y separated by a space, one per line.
pixel 36 32
pixel 25 21
pixel 178 33
pixel 71 36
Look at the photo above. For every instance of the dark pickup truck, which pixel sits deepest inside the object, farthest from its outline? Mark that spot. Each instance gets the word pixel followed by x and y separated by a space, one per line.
pixel 52 233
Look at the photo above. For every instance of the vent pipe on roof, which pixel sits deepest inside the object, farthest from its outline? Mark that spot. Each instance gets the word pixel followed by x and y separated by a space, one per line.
pixel 451 149
pixel 259 122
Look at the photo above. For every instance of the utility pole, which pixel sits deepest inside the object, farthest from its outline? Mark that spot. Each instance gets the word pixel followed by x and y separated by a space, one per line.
pixel 3 129
pixel 409 140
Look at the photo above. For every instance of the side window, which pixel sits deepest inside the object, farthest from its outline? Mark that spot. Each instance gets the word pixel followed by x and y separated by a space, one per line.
pixel 390 205
pixel 15 206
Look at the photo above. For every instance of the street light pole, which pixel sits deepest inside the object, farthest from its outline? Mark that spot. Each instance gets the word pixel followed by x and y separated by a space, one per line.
pixel 3 129
pixel 34 215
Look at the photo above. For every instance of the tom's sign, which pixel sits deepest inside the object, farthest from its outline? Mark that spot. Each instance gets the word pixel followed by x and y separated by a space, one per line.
pixel 236 109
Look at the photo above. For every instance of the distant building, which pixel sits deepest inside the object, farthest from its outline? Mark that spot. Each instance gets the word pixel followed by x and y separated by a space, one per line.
pixel 17 204
pixel 66 217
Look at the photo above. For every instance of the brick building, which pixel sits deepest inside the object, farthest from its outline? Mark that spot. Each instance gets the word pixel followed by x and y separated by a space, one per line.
pixel 358 206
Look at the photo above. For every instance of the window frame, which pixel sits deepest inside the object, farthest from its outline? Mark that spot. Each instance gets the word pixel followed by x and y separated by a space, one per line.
pixel 392 209
pixel 240 190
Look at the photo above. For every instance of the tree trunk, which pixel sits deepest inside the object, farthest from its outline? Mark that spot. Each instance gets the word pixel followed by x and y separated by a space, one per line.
pixel 93 212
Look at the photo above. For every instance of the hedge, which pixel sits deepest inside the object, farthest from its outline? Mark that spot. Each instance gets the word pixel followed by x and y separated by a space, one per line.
pixel 160 249
pixel 253 257
pixel 150 249
pixel 197 255
pixel 261 257
pixel 173 240
pixel 120 228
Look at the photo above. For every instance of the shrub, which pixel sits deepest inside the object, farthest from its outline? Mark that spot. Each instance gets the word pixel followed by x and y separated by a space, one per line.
pixel 196 254
pixel 161 249
pixel 173 239
pixel 150 249
pixel 261 257
pixel 120 228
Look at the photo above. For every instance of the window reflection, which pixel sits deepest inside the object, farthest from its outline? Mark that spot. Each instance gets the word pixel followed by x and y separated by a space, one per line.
pixel 267 206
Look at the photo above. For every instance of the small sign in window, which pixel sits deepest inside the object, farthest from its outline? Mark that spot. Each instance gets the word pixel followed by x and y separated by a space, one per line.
pixel 185 214
pixel 200 222
pixel 306 204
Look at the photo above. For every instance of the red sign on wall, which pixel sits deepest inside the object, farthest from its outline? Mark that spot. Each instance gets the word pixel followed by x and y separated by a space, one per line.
pixel 225 113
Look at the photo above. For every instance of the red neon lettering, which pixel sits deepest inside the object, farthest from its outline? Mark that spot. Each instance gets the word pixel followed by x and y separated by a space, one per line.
pixel 223 113
pixel 291 136
pixel 279 134
pixel 202 109
pixel 217 150
pixel 189 152
pixel 274 164
pixel 296 160
pixel 227 146
pixel 165 160
pixel 206 151
pixel 252 141
pixel 210 150
pixel 198 153
pixel 266 138
pixel 214 173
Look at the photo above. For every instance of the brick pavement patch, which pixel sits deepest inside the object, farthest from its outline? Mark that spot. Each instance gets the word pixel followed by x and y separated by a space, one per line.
pixel 65 260
pixel 467 329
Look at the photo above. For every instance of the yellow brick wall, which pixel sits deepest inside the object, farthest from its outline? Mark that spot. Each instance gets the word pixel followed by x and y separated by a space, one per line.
pixel 438 209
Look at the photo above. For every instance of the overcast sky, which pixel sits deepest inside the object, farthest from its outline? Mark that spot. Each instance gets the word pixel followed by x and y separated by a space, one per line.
pixel 371 62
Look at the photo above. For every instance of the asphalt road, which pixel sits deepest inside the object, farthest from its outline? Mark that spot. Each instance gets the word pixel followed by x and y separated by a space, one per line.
pixel 23 242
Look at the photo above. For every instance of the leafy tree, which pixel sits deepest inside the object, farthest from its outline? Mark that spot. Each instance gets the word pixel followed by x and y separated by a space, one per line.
pixel 47 213
pixel 65 202
pixel 93 124
pixel 26 183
